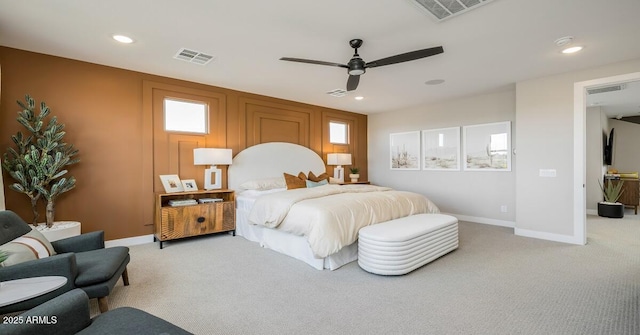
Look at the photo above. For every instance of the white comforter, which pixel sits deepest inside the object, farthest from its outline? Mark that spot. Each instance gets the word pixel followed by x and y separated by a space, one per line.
pixel 330 216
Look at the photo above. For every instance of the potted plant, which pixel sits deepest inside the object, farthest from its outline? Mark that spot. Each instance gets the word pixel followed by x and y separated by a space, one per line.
pixel 39 160
pixel 610 207
pixel 354 174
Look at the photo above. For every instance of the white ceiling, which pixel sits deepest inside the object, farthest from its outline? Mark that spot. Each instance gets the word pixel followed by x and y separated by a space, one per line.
pixel 486 49
pixel 618 104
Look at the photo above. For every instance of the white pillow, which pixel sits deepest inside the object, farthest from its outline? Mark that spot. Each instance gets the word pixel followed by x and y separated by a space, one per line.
pixel 264 184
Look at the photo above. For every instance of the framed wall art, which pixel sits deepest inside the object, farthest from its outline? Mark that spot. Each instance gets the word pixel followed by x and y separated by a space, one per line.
pixel 441 149
pixel 487 147
pixel 405 151
pixel 171 183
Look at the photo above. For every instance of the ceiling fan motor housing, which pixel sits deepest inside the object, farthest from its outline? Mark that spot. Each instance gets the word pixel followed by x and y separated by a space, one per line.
pixel 356 66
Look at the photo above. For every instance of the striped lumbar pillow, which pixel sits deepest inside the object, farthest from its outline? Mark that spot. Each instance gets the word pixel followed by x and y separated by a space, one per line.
pixel 30 246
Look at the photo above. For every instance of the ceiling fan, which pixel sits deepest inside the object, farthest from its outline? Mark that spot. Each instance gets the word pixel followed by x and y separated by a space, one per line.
pixel 356 66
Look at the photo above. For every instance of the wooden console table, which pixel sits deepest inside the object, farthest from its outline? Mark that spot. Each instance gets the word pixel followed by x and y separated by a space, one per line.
pixel 630 196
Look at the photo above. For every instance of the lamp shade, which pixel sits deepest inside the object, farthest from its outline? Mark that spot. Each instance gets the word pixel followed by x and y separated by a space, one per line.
pixel 212 156
pixel 338 159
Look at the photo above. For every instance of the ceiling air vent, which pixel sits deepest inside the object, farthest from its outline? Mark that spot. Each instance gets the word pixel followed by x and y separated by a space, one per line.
pixel 606 89
pixel 338 93
pixel 444 9
pixel 193 56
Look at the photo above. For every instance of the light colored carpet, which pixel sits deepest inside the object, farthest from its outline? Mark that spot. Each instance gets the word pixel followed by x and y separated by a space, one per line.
pixel 495 283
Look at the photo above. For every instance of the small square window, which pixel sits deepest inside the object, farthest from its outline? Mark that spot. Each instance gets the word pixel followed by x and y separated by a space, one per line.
pixel 338 133
pixel 186 116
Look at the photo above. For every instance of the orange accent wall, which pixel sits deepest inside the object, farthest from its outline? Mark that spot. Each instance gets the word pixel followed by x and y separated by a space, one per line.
pixel 107 116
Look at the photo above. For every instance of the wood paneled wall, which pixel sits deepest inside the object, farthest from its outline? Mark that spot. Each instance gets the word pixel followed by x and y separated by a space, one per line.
pixel 109 116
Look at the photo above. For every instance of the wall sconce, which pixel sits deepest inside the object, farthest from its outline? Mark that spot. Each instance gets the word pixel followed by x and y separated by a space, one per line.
pixel 213 157
pixel 338 160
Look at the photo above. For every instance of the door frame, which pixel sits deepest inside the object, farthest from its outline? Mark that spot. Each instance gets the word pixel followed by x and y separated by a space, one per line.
pixel 580 148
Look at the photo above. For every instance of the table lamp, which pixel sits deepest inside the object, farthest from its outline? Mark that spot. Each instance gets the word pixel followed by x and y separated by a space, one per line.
pixel 338 160
pixel 213 157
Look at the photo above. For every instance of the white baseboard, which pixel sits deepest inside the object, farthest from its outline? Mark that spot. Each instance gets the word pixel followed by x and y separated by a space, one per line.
pixel 129 241
pixel 494 222
pixel 548 236
pixel 592 212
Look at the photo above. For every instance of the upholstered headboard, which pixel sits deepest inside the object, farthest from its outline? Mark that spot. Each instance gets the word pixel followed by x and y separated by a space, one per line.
pixel 270 160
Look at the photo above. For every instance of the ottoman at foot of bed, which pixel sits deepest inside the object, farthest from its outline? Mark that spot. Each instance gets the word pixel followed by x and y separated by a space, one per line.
pixel 399 246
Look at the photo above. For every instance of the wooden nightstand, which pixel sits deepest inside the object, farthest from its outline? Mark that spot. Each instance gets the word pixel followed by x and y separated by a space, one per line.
pixel 174 222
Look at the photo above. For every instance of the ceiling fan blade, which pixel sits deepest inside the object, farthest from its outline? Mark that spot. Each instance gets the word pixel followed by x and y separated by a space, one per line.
pixel 405 57
pixel 352 82
pixel 309 61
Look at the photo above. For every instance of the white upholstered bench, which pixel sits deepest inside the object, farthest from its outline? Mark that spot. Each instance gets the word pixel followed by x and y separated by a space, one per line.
pixel 402 245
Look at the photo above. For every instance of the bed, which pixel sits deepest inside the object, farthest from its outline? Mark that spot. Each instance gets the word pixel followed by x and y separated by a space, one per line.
pixel 316 225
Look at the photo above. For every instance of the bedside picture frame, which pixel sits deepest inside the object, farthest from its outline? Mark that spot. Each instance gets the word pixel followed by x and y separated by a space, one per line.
pixel 171 183
pixel 189 185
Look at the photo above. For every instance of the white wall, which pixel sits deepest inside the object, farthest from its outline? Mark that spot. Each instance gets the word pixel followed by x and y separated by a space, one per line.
pixel 544 133
pixel 597 130
pixel 474 196
pixel 626 155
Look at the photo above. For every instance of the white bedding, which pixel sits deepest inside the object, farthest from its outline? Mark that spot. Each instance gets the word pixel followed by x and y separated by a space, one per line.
pixel 330 216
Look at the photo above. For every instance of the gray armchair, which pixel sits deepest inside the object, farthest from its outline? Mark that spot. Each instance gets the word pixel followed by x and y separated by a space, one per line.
pixel 71 313
pixel 83 260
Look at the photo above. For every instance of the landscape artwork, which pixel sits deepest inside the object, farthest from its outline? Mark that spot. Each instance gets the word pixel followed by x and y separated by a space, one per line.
pixel 441 149
pixel 487 147
pixel 405 151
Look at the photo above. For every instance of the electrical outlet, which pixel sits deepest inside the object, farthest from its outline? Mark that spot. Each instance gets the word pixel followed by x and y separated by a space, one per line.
pixel 503 208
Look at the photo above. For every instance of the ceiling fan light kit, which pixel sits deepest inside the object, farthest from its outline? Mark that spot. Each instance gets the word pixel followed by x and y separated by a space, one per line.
pixel 356 66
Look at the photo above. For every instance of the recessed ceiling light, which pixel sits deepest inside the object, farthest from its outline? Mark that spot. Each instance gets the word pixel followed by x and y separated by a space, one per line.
pixel 359 98
pixel 123 39
pixel 434 82
pixel 571 50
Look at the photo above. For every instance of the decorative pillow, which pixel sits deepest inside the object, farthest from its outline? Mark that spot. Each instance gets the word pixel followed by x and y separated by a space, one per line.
pixel 295 182
pixel 30 246
pixel 311 184
pixel 323 176
pixel 264 184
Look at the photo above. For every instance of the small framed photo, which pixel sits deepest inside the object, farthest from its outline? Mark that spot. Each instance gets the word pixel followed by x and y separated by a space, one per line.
pixel 171 183
pixel 189 185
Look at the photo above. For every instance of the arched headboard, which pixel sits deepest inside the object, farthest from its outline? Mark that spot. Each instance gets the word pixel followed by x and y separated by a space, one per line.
pixel 272 159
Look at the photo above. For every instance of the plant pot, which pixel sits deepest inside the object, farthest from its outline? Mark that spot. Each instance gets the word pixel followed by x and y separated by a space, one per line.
pixel 354 177
pixel 60 230
pixel 611 210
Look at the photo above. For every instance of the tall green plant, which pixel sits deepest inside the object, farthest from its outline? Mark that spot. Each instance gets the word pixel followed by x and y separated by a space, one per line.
pixel 38 162
pixel 612 191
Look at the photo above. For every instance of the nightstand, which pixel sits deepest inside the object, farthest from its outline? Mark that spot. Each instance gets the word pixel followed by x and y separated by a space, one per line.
pixel 209 212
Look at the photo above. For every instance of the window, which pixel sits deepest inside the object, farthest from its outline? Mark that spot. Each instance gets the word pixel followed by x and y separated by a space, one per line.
pixel 338 133
pixel 186 116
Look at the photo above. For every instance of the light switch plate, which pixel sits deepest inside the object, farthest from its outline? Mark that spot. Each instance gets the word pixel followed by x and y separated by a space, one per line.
pixel 547 172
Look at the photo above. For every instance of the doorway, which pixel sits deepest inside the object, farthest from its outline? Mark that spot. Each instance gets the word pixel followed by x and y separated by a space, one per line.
pixel 579 150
